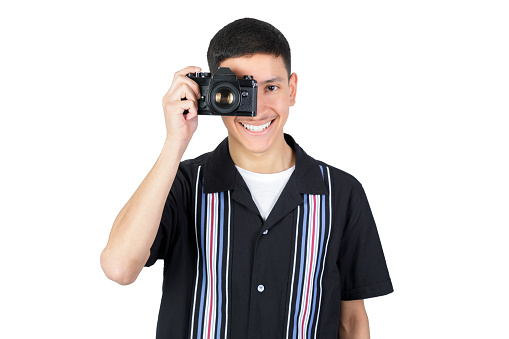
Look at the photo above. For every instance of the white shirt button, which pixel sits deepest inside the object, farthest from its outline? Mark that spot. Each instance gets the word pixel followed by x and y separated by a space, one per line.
pixel 265 232
pixel 261 288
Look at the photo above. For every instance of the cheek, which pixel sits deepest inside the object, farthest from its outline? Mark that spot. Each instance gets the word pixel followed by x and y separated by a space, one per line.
pixel 228 121
pixel 277 102
pixel 282 107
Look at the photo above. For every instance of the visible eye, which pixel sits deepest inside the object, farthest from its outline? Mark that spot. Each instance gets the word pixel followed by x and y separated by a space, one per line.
pixel 272 88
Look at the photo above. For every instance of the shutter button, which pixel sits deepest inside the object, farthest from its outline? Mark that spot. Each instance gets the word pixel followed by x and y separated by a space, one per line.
pixel 261 288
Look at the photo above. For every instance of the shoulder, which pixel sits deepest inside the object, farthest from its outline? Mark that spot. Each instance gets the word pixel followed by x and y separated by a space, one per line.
pixel 342 185
pixel 191 164
pixel 339 181
pixel 219 154
pixel 338 176
pixel 190 168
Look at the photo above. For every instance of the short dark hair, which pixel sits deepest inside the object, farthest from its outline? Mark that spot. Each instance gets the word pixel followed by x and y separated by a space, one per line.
pixel 245 37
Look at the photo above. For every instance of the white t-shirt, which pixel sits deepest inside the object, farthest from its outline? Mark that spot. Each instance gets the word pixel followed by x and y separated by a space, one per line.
pixel 265 188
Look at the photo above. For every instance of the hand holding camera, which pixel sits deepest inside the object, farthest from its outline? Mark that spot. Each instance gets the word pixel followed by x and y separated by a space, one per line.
pixel 182 96
pixel 195 93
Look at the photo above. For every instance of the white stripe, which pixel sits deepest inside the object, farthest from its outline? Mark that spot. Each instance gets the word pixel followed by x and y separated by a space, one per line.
pixel 293 274
pixel 197 249
pixel 325 253
pixel 227 266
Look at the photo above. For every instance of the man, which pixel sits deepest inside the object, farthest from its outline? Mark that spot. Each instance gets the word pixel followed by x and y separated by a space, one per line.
pixel 259 240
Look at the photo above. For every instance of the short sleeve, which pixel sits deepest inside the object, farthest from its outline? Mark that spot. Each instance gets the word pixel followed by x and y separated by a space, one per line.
pixel 174 214
pixel 361 261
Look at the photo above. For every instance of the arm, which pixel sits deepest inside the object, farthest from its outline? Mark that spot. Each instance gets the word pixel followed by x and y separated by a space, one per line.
pixel 353 323
pixel 135 227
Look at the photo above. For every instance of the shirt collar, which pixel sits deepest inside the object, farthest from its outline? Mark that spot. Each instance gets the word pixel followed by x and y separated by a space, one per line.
pixel 220 173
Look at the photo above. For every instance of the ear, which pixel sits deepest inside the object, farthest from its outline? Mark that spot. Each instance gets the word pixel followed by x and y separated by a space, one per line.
pixel 292 83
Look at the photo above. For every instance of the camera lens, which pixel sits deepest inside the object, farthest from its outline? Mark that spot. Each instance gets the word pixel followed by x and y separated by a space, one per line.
pixel 224 98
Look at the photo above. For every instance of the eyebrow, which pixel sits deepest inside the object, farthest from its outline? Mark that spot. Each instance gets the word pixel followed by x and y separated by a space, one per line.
pixel 275 79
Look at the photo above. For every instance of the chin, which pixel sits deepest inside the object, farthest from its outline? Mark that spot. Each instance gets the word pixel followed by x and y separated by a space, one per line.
pixel 256 146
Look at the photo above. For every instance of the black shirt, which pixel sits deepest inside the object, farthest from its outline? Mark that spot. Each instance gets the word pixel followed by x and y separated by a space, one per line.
pixel 229 274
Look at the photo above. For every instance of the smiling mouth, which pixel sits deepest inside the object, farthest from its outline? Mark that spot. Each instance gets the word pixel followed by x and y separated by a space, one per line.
pixel 257 128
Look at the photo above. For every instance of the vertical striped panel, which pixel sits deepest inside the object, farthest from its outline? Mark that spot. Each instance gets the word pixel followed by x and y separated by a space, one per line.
pixel 326 243
pixel 210 257
pixel 311 242
pixel 210 303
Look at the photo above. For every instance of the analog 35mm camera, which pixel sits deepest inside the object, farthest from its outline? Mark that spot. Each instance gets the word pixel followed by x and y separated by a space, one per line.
pixel 224 94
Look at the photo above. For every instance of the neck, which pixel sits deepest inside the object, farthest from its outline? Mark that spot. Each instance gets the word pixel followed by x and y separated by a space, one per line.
pixel 277 158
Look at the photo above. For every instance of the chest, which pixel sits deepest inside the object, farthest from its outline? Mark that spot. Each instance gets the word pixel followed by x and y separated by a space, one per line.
pixel 261 272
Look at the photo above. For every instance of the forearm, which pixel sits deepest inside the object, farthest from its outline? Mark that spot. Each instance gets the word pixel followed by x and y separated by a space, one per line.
pixel 354 323
pixel 355 330
pixel 136 225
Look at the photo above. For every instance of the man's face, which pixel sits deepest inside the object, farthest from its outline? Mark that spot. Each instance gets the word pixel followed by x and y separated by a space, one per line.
pixel 276 93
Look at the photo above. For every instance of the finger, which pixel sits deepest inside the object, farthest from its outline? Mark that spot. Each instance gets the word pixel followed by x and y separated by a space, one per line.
pixel 190 106
pixel 179 75
pixel 182 92
pixel 193 86
pixel 188 69
pixel 176 87
pixel 185 92
pixel 184 97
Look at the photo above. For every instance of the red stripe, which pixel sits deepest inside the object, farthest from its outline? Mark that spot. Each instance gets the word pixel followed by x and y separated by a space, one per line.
pixel 305 310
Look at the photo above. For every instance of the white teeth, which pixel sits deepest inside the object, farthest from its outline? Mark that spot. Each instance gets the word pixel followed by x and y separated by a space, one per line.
pixel 254 128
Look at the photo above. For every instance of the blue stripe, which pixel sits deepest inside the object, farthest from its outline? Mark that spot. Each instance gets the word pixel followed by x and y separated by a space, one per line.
pixel 301 277
pixel 200 319
pixel 220 268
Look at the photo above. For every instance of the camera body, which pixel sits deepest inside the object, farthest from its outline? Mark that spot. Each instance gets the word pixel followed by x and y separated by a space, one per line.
pixel 224 94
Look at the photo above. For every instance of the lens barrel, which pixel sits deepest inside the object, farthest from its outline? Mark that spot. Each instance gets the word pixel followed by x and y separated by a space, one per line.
pixel 224 97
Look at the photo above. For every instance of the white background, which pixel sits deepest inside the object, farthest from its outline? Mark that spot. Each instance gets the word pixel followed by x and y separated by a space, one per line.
pixel 411 97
